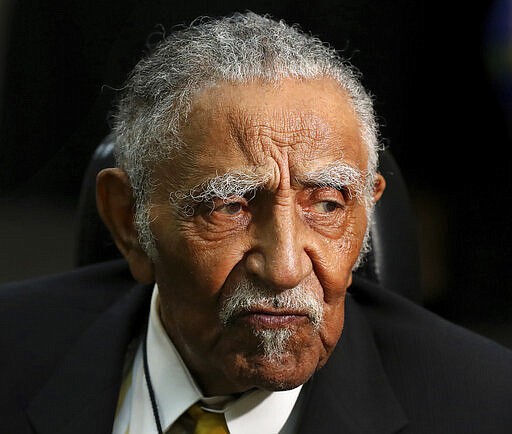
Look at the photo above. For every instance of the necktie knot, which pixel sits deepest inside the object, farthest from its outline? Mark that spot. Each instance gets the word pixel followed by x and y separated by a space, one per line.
pixel 208 422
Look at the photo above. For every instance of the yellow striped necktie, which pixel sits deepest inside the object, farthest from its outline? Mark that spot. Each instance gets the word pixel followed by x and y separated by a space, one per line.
pixel 208 422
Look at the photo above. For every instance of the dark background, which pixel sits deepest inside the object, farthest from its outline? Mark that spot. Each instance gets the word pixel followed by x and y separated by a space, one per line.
pixel 441 83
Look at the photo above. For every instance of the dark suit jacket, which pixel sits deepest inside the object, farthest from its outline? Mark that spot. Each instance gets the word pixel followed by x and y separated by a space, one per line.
pixel 397 367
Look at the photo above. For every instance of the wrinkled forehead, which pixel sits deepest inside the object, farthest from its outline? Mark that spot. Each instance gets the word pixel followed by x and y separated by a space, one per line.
pixel 296 125
pixel 300 133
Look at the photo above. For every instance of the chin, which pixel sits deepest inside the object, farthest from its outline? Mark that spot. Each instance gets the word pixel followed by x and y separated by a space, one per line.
pixel 277 383
pixel 273 359
pixel 274 370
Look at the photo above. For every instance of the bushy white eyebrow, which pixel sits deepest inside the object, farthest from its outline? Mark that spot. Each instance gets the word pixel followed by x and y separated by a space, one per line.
pixel 340 176
pixel 233 183
pixel 337 175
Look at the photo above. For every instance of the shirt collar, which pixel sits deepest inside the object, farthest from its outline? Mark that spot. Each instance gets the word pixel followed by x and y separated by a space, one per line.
pixel 256 411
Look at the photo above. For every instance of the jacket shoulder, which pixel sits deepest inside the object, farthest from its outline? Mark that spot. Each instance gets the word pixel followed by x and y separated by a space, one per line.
pixel 106 278
pixel 444 374
pixel 41 318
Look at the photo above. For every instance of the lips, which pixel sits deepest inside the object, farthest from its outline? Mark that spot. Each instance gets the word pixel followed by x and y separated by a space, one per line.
pixel 264 306
pixel 272 318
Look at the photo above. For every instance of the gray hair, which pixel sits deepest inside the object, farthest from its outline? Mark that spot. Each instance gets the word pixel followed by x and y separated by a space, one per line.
pixel 158 94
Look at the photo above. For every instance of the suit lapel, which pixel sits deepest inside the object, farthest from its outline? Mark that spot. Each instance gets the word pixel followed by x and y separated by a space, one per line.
pixel 85 386
pixel 351 393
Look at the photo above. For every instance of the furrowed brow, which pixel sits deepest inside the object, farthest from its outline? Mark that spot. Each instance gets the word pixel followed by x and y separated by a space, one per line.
pixel 340 176
pixel 232 183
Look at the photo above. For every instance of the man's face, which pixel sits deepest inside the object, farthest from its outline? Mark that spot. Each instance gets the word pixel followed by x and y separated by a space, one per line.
pixel 267 201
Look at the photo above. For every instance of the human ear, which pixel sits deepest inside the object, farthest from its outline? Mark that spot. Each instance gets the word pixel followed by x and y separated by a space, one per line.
pixel 115 203
pixel 379 185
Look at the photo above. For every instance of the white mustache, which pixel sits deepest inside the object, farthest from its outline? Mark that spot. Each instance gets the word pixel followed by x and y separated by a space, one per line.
pixel 249 295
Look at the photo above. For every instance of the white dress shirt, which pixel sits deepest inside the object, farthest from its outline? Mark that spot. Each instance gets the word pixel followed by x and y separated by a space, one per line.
pixel 255 412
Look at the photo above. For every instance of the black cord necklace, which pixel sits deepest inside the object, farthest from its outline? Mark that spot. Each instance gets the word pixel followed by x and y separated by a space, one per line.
pixel 149 384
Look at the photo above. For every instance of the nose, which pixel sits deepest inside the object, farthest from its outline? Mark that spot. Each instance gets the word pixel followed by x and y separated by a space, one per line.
pixel 279 256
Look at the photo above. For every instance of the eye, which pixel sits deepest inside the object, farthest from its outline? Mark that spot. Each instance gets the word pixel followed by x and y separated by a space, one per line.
pixel 231 208
pixel 326 206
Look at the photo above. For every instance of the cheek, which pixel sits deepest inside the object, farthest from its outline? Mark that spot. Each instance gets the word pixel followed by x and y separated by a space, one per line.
pixel 334 316
pixel 333 258
pixel 332 263
pixel 192 276
pixel 217 264
pixel 332 327
pixel 199 263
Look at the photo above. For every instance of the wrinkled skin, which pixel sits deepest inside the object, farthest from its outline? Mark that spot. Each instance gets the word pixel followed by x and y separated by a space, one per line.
pixel 288 234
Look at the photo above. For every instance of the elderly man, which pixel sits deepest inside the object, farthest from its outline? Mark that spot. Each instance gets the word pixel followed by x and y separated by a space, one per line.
pixel 245 182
